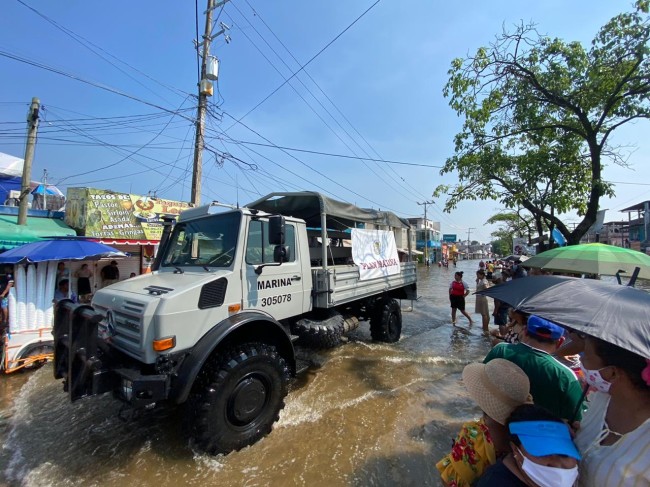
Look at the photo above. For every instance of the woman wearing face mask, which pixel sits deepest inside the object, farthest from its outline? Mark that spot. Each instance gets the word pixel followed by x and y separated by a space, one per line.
pixel 542 452
pixel 614 436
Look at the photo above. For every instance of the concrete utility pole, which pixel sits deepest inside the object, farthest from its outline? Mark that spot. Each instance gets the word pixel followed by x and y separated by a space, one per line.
pixel 469 232
pixel 32 129
pixel 426 230
pixel 199 141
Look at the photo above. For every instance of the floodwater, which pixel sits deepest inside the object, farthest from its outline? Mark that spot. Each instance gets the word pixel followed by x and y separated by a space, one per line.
pixel 366 414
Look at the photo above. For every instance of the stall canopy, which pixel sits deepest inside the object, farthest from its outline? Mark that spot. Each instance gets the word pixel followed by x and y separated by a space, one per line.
pixel 13 235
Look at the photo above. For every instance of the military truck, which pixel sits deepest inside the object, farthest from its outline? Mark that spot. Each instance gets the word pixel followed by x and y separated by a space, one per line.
pixel 212 328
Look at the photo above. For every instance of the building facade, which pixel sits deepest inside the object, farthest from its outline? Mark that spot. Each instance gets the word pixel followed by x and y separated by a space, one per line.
pixel 638 222
pixel 428 238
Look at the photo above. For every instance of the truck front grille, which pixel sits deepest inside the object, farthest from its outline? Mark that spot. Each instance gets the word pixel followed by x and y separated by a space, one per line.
pixel 124 324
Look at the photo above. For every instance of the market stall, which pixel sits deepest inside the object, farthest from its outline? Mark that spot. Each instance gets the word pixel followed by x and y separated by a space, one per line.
pixel 27 338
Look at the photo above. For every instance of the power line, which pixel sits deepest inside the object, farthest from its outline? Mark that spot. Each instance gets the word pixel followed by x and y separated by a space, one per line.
pixel 131 154
pixel 306 64
pixel 76 38
pixel 309 167
pixel 329 154
pixel 257 15
pixel 88 82
pixel 336 134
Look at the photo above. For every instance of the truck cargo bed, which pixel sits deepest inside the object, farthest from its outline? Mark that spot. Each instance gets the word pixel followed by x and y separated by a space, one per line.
pixel 338 285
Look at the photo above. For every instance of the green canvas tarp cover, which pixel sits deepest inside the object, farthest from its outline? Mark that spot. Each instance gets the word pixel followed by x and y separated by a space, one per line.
pixel 309 205
pixel 13 235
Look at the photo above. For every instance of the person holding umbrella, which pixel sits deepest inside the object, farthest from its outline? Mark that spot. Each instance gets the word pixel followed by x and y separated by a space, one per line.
pixel 553 385
pixel 614 436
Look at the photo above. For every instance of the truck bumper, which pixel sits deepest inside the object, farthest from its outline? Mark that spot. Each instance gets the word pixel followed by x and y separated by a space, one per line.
pixel 89 367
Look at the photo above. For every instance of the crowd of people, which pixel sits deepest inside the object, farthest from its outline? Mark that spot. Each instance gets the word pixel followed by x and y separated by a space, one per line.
pixel 559 408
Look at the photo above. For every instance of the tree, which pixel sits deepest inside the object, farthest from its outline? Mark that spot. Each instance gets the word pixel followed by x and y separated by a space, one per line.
pixel 501 246
pixel 512 223
pixel 539 113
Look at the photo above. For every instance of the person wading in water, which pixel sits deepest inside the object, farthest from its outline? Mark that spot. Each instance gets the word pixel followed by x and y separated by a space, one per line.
pixel 458 289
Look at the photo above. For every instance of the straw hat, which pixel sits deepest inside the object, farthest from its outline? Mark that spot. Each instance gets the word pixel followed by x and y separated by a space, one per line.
pixel 497 387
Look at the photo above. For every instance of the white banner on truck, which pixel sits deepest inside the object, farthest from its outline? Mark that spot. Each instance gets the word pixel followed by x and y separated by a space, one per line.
pixel 375 253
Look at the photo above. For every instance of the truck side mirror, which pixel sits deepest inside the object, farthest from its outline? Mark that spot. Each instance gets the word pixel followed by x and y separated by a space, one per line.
pixel 281 253
pixel 276 230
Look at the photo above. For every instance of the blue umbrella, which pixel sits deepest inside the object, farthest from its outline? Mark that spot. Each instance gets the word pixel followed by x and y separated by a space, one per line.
pixel 49 190
pixel 59 249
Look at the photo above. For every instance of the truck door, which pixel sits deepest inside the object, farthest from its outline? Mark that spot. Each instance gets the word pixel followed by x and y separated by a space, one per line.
pixel 278 289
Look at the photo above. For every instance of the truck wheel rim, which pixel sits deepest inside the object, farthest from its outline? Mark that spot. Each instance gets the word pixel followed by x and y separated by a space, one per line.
pixel 248 400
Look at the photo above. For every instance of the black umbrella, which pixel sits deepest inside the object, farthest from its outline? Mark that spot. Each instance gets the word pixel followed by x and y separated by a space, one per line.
pixel 613 313
pixel 515 257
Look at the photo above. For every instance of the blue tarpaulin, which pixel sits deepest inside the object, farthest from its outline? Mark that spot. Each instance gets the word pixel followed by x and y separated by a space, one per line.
pixel 59 249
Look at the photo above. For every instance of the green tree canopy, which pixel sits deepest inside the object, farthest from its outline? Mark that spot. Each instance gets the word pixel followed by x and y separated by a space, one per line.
pixel 511 223
pixel 538 114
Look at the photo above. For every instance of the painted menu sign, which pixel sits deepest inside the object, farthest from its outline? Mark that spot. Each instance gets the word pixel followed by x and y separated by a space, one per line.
pixel 106 214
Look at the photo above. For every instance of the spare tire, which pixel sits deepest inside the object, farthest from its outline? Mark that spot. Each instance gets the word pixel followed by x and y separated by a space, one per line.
pixel 325 333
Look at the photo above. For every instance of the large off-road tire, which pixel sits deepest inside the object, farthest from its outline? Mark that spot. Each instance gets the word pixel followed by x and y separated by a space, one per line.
pixel 386 321
pixel 324 333
pixel 237 398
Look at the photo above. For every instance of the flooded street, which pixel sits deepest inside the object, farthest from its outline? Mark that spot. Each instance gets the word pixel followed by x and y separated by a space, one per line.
pixel 365 414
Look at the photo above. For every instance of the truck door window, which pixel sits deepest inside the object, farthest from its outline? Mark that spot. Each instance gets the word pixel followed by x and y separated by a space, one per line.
pixel 258 249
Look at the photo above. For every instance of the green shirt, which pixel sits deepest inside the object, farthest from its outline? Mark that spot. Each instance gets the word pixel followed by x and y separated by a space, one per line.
pixel 553 385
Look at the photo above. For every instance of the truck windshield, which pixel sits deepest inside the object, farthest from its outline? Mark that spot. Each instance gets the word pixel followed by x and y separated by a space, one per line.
pixel 206 242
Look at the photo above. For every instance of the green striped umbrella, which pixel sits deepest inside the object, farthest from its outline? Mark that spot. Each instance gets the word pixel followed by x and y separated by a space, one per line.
pixel 592 258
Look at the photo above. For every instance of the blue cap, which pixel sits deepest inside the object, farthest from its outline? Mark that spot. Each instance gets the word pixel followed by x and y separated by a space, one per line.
pixel 544 328
pixel 541 438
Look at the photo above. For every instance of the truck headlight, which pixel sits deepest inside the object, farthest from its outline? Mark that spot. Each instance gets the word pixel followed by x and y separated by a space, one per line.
pixel 127 389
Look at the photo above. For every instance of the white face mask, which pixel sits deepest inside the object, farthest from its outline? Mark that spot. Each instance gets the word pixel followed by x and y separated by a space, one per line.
pixel 545 476
pixel 595 380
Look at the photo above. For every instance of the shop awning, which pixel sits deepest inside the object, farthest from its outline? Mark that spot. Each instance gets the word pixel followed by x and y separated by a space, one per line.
pixel 13 235
pixel 413 251
pixel 113 241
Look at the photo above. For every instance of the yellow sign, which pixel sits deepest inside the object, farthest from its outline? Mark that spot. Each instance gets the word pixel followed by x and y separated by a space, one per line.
pixel 106 214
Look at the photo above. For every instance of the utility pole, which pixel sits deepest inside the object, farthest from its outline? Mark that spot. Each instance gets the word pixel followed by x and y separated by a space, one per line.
pixel 469 232
pixel 45 189
pixel 426 231
pixel 199 141
pixel 32 129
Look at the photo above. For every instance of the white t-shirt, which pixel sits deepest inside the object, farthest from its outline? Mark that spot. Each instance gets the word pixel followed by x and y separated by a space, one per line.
pixel 625 463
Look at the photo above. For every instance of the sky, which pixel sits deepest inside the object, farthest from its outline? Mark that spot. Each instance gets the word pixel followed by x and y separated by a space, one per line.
pixel 118 81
